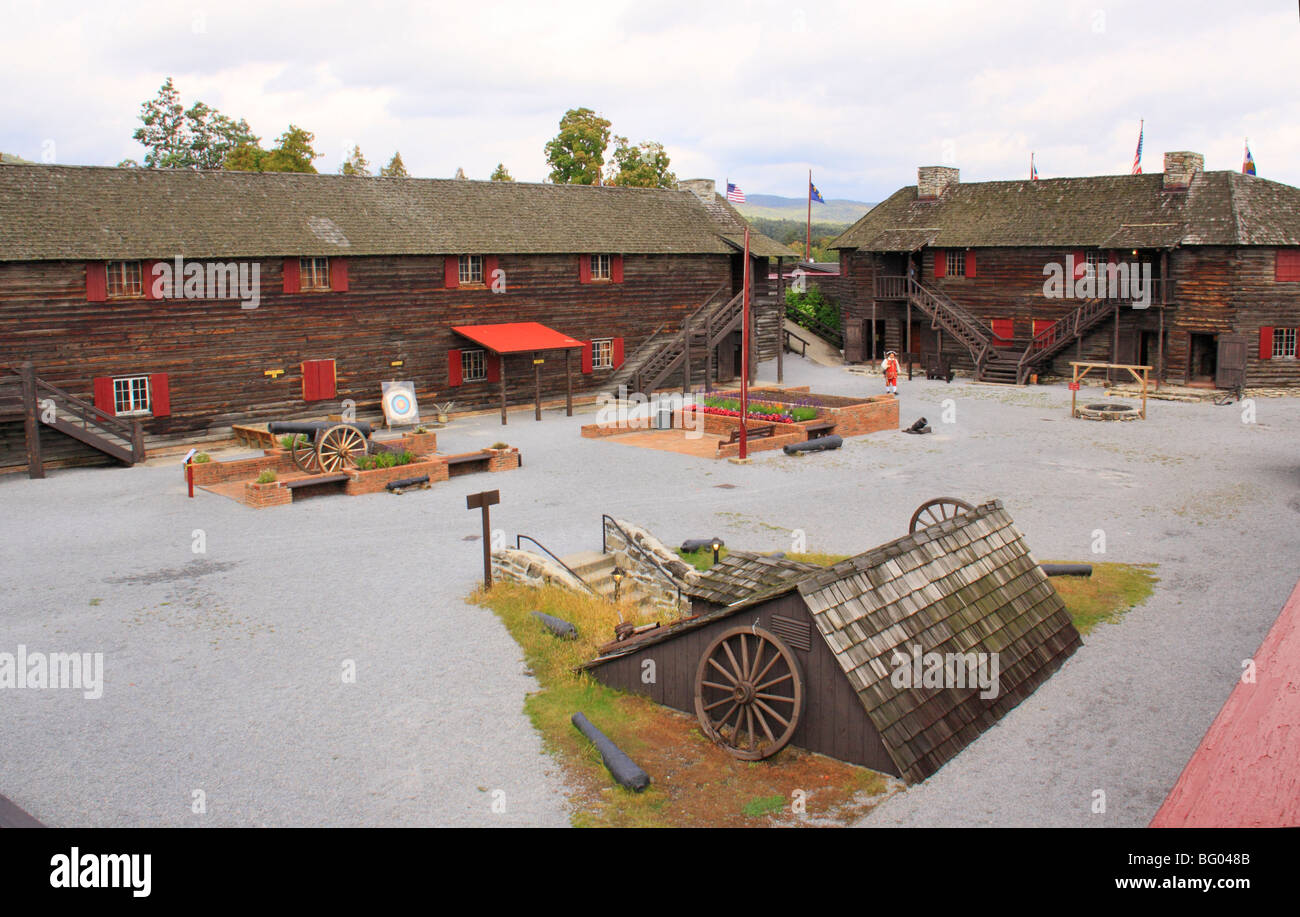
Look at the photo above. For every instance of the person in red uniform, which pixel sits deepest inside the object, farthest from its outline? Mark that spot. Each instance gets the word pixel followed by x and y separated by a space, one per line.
pixel 890 368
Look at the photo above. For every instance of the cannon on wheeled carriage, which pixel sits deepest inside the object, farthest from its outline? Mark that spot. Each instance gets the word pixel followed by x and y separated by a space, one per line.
pixel 323 446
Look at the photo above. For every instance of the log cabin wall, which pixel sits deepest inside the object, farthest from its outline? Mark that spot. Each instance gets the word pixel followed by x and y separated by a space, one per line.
pixel 395 308
pixel 1263 301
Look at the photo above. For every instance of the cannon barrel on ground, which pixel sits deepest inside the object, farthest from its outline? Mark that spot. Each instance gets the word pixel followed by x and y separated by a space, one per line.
pixel 623 769
pixel 691 545
pixel 819 444
pixel 558 626
pixel 1067 569
pixel 312 427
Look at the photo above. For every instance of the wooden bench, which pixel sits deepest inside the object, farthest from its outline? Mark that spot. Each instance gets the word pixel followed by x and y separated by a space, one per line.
pixel 819 428
pixel 468 463
pixel 760 432
pixel 315 480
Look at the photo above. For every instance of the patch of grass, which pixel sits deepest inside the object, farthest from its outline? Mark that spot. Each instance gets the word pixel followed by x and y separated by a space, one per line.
pixel 694 783
pixel 288 441
pixel 95 601
pixel 200 459
pixel 819 558
pixel 702 559
pixel 1106 595
pixel 267 477
pixel 384 460
pixel 763 805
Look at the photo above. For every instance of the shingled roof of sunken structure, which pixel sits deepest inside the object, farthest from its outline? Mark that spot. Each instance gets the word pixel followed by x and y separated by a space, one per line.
pixel 1100 211
pixel 93 213
pixel 740 574
pixel 966 585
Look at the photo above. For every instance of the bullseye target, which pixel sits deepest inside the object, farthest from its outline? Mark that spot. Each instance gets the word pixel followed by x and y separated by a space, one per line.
pixel 400 406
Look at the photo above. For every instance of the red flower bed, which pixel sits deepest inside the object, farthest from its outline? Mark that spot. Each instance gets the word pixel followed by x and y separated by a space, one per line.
pixel 753 415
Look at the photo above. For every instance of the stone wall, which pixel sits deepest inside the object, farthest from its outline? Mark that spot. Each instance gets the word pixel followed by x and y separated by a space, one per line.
pixel 514 566
pixel 660 590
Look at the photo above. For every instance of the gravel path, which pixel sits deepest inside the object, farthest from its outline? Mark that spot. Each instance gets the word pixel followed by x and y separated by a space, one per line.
pixel 223 669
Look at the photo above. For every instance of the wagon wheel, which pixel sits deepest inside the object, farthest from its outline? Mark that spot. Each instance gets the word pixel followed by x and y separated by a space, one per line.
pixel 937 510
pixel 303 453
pixel 340 447
pixel 748 693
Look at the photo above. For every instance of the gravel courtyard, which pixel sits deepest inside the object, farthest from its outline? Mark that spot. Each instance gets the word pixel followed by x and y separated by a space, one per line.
pixel 223 670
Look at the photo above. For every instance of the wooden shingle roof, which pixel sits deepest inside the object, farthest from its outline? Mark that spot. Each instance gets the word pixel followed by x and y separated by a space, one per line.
pixel 967 585
pixel 90 213
pixel 742 574
pixel 1103 211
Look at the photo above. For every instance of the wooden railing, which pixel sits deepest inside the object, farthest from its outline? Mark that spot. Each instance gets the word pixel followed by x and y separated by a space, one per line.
pixel 953 318
pixel 891 286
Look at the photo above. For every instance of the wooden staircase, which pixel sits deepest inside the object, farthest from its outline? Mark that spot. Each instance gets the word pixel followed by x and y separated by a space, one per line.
pixel 26 395
pixel 1061 334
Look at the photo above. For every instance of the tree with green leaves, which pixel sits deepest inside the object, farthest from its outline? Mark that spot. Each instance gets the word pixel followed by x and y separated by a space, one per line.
pixel 356 163
pixel 395 168
pixel 293 153
pixel 500 173
pixel 642 166
pixel 577 153
pixel 198 138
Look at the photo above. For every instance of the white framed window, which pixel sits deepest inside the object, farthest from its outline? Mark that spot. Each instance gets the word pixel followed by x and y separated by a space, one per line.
pixel 601 267
pixel 1094 262
pixel 473 365
pixel 131 395
pixel 471 269
pixel 1284 343
pixel 956 263
pixel 125 279
pixel 602 353
pixel 314 273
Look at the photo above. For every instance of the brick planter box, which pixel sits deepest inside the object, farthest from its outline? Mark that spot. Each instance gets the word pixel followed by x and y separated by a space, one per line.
pixel 371 482
pixel 724 425
pixel 503 459
pixel 851 416
pixel 259 495
pixel 421 443
pixel 276 460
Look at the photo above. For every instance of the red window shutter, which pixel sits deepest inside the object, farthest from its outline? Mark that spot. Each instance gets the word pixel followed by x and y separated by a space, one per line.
pixel 494 367
pixel 328 379
pixel 1112 257
pixel 586 356
pixel 309 381
pixel 292 281
pixel 970 264
pixel 453 368
pixel 319 382
pixel 616 268
pixel 160 396
pixel 1287 267
pixel 1266 343
pixel 584 269
pixel 490 265
pixel 103 388
pixel 96 282
pixel 940 263
pixel 147 279
pixel 1003 330
pixel 616 352
pixel 451 272
pixel 1080 264
pixel 339 275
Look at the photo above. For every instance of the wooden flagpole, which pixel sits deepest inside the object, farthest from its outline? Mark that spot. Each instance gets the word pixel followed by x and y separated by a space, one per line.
pixel 807 245
pixel 744 359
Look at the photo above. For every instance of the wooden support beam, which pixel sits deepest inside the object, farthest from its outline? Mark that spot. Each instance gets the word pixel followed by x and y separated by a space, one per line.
pixel 568 384
pixel 780 319
pixel 501 358
pixel 31 422
pixel 686 355
pixel 537 386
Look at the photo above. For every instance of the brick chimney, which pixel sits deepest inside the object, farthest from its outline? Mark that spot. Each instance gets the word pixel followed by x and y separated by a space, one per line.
pixel 703 188
pixel 1179 169
pixel 933 181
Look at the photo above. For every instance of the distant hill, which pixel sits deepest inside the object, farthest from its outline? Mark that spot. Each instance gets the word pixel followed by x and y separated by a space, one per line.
pixel 774 207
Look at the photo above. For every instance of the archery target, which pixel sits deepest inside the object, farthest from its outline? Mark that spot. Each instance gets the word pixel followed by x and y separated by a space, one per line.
pixel 400 406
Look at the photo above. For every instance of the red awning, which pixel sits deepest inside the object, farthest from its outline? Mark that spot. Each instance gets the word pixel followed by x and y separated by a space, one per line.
pixel 516 337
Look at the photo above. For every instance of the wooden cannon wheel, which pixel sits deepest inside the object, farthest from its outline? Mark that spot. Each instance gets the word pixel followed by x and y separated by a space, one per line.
pixel 340 447
pixel 749 693
pixel 303 453
pixel 937 510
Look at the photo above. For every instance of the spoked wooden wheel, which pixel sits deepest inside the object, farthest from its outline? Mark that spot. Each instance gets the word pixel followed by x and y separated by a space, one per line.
pixel 340 448
pixel 303 453
pixel 937 510
pixel 749 693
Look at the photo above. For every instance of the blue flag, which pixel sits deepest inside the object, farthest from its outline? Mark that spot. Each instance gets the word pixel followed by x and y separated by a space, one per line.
pixel 814 194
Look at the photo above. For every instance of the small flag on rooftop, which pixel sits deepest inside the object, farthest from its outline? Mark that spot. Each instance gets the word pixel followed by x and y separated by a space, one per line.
pixel 1033 169
pixel 734 194
pixel 814 194
pixel 1248 164
pixel 1137 157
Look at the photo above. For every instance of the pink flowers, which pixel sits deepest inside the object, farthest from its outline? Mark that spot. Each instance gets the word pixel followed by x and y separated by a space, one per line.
pixel 753 414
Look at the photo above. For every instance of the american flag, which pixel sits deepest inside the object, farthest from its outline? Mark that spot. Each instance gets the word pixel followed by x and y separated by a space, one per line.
pixel 1137 157
pixel 1033 169
pixel 734 194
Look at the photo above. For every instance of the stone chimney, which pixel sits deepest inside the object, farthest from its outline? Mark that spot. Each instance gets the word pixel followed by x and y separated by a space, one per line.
pixel 1179 169
pixel 933 181
pixel 703 188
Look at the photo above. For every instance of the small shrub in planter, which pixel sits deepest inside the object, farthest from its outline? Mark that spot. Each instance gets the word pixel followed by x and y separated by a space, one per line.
pixel 267 477
pixel 200 459
pixel 499 446
pixel 287 442
pixel 384 460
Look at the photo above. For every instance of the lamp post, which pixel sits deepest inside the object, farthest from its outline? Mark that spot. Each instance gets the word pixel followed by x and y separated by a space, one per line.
pixel 617 576
pixel 717 546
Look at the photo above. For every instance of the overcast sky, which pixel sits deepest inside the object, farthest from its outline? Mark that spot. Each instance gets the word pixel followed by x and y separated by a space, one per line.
pixel 862 93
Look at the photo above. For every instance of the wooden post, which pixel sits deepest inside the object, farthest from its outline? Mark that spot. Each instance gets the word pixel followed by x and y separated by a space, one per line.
pixel 873 331
pixel 1114 347
pixel 686 356
pixel 31 422
pixel 1164 301
pixel 537 386
pixel 501 358
pixel 1074 390
pixel 137 441
pixel 568 384
pixel 482 501
pixel 780 320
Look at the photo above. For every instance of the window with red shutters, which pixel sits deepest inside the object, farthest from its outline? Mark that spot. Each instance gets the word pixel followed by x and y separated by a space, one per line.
pixel 1287 266
pixel 318 380
pixel 453 368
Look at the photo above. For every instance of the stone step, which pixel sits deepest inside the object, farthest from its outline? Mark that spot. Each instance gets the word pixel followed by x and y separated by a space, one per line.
pixel 589 564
